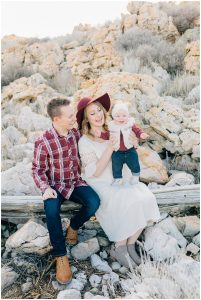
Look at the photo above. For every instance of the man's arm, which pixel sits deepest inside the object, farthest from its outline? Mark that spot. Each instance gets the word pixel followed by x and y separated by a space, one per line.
pixel 39 166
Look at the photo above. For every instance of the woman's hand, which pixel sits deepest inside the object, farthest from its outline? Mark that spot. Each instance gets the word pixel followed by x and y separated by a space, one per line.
pixel 113 142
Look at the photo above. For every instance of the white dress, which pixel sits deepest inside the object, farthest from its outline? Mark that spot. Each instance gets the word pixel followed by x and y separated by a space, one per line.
pixel 123 210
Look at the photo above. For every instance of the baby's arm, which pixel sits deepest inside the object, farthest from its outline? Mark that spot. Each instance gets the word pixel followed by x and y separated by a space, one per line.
pixel 139 132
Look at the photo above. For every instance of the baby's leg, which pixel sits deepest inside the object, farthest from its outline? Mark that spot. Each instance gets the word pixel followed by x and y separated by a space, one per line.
pixel 117 166
pixel 132 162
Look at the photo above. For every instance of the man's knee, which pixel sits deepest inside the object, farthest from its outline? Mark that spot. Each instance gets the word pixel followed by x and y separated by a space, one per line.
pixel 52 208
pixel 93 203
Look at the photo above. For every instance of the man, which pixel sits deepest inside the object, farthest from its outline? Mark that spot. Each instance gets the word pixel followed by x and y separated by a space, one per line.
pixel 56 172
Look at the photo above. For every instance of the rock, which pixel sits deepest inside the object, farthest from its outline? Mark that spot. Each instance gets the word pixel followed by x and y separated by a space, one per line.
pixel 95 280
pixel 123 270
pixel 73 269
pixel 99 264
pixel 181 178
pixel 192 63
pixel 59 287
pixel 168 226
pixel 69 294
pixel 159 245
pixel 103 241
pixel 89 295
pixel 115 266
pixel 110 278
pixel 84 235
pixel 151 17
pixel 103 254
pixel 92 225
pixel 26 286
pixel 18 180
pixel 190 224
pixel 31 238
pixel 8 277
pixel 82 277
pixel 192 248
pixel 196 240
pixel 85 249
pixel 75 284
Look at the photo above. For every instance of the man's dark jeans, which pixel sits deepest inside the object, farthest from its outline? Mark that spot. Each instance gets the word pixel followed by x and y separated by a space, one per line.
pixel 129 157
pixel 84 195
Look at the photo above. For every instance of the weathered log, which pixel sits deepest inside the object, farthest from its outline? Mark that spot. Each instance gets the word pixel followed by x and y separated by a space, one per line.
pixel 173 200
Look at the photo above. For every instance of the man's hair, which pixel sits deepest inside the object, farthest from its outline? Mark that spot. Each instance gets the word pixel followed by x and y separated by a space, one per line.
pixel 54 107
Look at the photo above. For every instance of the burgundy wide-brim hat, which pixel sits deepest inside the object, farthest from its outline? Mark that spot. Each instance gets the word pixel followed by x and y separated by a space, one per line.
pixel 84 102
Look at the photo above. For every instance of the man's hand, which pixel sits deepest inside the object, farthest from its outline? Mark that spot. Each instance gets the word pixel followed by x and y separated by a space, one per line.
pixel 49 193
pixel 144 136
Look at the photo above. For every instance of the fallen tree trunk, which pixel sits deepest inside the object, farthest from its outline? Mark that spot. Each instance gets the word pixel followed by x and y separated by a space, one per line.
pixel 173 200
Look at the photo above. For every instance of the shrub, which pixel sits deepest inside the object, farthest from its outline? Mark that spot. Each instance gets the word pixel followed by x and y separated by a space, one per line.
pixel 63 82
pixel 181 85
pixel 182 16
pixel 148 47
pixel 14 70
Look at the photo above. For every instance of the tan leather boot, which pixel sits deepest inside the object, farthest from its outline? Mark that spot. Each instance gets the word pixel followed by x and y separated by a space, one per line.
pixel 71 236
pixel 63 271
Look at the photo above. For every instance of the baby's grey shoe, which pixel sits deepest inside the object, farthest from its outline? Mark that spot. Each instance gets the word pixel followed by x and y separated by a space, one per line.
pixel 117 182
pixel 135 180
pixel 121 254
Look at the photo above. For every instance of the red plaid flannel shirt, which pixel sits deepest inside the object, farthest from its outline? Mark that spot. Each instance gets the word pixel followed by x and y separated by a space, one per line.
pixel 56 162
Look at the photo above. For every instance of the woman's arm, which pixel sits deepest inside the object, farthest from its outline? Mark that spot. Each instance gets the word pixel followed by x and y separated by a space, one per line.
pixel 103 161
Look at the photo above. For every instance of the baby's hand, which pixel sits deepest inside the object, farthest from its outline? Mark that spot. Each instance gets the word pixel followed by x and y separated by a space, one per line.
pixel 96 132
pixel 144 136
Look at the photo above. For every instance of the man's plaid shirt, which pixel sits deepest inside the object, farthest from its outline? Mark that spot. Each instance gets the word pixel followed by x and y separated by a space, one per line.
pixel 56 162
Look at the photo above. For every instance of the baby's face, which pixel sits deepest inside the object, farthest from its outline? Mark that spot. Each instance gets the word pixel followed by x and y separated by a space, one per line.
pixel 121 117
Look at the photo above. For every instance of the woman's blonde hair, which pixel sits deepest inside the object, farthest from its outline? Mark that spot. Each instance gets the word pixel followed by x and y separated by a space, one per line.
pixel 85 126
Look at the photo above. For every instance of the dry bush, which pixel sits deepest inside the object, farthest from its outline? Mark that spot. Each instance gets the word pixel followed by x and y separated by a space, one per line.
pixel 149 47
pixel 181 85
pixel 64 82
pixel 183 16
pixel 14 70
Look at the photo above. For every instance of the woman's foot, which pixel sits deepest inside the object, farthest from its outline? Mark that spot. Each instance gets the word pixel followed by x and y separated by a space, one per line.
pixel 133 254
pixel 120 253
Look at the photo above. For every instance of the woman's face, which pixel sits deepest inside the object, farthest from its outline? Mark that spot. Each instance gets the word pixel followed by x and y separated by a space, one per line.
pixel 95 115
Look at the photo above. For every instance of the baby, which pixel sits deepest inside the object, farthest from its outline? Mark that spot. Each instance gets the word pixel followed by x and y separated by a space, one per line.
pixel 125 153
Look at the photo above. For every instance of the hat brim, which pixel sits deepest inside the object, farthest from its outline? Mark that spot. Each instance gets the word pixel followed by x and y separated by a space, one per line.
pixel 104 100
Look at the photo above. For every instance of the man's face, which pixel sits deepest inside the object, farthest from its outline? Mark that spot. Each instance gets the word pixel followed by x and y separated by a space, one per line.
pixel 67 118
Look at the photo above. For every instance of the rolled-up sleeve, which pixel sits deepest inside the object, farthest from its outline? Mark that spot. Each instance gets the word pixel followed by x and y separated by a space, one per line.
pixel 40 166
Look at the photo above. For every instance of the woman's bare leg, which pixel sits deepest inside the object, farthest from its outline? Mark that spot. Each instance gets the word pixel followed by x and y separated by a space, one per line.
pixel 132 239
pixel 121 243
pixel 131 247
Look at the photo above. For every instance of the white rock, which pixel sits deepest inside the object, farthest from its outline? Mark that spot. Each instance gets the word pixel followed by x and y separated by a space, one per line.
pixel 192 248
pixel 160 245
pixel 115 266
pixel 85 249
pixel 196 240
pixel 82 277
pixel 168 226
pixel 181 178
pixel 69 294
pixel 99 264
pixel 8 277
pixel 89 295
pixel 95 280
pixel 26 286
pixel 123 270
pixel 103 254
pixel 191 225
pixel 103 241
pixel 73 269
pixel 110 278
pixel 30 238
pixel 75 284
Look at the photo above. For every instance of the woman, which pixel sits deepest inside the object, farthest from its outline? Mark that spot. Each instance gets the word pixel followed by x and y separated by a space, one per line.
pixel 124 211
